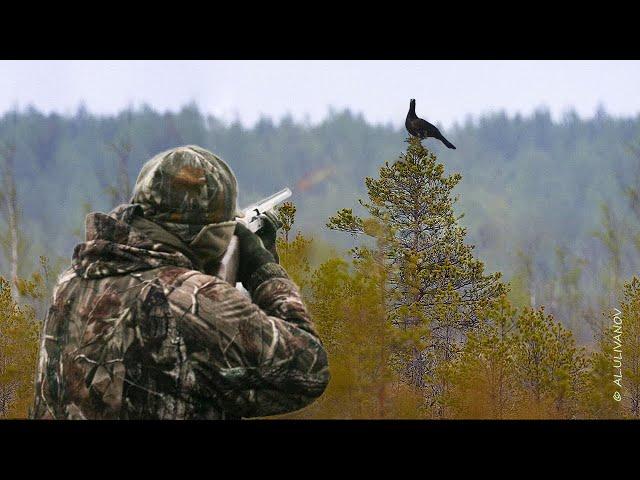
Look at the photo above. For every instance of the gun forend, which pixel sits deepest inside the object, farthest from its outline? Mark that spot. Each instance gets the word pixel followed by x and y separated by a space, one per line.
pixel 229 264
pixel 252 213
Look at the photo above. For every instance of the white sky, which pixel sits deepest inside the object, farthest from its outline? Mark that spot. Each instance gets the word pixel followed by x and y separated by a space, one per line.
pixel 446 91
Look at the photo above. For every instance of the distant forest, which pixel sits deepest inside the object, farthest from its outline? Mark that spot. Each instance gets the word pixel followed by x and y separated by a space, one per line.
pixel 548 204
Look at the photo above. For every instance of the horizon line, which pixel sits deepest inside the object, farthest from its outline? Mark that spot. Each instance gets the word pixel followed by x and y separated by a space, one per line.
pixel 304 120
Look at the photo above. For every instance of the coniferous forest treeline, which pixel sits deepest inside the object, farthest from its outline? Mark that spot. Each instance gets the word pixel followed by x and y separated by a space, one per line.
pixel 551 206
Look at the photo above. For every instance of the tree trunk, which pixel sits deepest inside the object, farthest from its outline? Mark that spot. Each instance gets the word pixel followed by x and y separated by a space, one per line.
pixel 11 211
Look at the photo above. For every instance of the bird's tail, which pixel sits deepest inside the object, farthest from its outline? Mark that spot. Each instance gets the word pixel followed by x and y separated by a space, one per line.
pixel 447 143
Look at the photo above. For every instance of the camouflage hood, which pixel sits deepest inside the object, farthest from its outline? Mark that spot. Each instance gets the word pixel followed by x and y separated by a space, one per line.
pixel 187 186
pixel 120 242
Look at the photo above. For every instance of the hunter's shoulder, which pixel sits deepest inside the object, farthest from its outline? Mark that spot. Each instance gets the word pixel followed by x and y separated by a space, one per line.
pixel 172 276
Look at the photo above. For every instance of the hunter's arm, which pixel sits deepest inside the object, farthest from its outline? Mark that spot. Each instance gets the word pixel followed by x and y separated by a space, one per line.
pixel 261 357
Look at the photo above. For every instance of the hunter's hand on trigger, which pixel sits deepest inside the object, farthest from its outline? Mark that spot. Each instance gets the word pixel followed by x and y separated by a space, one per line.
pixel 253 253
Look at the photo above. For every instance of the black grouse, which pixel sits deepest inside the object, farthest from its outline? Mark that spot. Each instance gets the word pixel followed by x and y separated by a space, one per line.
pixel 421 128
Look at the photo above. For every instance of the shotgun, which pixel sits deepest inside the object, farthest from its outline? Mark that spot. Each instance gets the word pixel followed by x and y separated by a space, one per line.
pixel 252 218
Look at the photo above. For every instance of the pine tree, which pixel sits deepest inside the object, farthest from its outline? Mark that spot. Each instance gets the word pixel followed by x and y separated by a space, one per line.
pixel 287 215
pixel 598 400
pixel 294 255
pixel 613 239
pixel 120 189
pixel 550 368
pixel 10 208
pixel 624 343
pixel 346 302
pixel 520 363
pixel 566 297
pixel 434 285
pixel 347 305
pixel 483 381
pixel 521 282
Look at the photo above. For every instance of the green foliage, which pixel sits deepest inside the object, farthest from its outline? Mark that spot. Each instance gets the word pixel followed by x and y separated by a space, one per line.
pixel 412 316
pixel 567 297
pixel 294 256
pixel 347 304
pixel 20 322
pixel 519 364
pixel 549 365
pixel 434 285
pixel 598 399
pixel 611 237
pixel 525 175
pixel 616 358
pixel 287 215
pixel 623 344
pixel 521 293
pixel 482 382
pixel 19 331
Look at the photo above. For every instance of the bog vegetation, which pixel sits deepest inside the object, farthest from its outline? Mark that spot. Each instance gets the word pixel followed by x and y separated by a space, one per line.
pixel 416 329
pixel 527 307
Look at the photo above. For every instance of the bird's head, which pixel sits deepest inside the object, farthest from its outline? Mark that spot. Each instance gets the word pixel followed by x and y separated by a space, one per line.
pixel 412 102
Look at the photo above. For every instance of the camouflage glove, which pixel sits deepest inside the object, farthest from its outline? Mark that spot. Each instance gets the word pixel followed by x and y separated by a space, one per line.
pixel 269 231
pixel 253 254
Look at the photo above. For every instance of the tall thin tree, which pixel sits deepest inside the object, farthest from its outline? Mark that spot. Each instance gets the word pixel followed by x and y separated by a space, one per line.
pixel 10 205
pixel 435 285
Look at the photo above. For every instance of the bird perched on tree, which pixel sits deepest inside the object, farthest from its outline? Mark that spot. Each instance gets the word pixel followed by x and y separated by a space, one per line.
pixel 421 128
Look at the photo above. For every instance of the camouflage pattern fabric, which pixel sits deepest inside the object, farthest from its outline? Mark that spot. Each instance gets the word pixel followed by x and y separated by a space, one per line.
pixel 187 185
pixel 134 332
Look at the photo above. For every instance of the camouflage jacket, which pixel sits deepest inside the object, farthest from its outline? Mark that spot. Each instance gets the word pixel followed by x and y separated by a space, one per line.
pixel 134 332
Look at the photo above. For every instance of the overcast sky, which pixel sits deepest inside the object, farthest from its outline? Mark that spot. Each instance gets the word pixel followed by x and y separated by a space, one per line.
pixel 446 91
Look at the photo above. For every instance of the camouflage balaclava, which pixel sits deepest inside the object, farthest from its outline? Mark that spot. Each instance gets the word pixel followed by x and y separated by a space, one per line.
pixel 191 193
